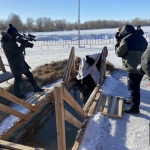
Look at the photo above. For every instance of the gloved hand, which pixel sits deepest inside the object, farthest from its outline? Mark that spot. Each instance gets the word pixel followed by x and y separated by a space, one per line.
pixel 117 45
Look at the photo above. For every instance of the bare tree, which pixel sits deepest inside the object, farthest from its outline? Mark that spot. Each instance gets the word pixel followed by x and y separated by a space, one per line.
pixel 48 24
pixel 3 24
pixel 39 23
pixel 60 24
pixel 16 21
pixel 30 23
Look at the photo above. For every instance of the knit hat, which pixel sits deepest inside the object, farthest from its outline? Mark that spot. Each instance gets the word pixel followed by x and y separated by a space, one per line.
pixel 12 30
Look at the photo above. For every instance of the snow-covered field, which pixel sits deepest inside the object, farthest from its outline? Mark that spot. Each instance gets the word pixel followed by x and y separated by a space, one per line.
pixel 103 133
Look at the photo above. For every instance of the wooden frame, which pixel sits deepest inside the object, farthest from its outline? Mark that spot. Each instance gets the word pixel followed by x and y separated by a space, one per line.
pixel 34 106
pixel 60 93
pixel 70 68
pixel 101 78
pixel 14 146
pixel 116 105
pixel 94 99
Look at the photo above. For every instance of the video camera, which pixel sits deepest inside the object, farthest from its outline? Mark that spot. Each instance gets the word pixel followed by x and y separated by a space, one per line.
pixel 25 39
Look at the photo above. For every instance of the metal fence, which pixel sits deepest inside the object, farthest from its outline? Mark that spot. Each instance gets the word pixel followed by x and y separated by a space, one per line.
pixel 72 40
pixel 85 40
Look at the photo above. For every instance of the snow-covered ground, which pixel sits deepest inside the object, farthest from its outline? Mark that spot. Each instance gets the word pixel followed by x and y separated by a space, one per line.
pixel 129 133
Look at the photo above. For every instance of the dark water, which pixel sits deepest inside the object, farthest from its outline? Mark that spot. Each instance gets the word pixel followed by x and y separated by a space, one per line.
pixel 45 135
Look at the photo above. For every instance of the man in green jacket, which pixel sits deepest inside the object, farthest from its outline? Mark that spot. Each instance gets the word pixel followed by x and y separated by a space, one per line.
pixel 131 48
pixel 15 57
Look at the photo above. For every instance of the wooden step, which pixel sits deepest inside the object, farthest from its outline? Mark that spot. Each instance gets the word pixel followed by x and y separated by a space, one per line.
pixel 5 76
pixel 110 106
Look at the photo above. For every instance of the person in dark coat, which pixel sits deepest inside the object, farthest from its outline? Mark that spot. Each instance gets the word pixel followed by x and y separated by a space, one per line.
pixel 139 30
pixel 15 57
pixel 131 48
pixel 145 62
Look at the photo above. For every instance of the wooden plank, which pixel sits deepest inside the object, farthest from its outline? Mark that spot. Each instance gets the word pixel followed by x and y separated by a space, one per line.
pixel 102 101
pixel 43 97
pixel 112 115
pixel 35 97
pixel 106 107
pixel 71 101
pixel 60 123
pixel 103 66
pixel 113 107
pixel 31 94
pixel 73 68
pixel 14 146
pixel 20 122
pixel 15 126
pixel 68 67
pixel 91 99
pixel 76 145
pixel 5 76
pixel 91 110
pixel 120 106
pixel 80 135
pixel 13 112
pixel 70 118
pixel 114 102
pixel 16 100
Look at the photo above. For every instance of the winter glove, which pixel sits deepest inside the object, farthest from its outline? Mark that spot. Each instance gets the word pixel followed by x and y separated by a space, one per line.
pixel 116 46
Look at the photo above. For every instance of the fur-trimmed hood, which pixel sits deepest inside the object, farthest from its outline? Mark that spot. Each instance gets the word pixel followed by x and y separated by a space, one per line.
pixel 126 30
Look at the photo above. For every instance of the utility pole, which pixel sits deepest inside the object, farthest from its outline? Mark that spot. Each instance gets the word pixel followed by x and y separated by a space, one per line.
pixel 78 23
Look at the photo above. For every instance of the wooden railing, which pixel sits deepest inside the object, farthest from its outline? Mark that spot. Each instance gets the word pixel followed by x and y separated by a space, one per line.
pixel 61 94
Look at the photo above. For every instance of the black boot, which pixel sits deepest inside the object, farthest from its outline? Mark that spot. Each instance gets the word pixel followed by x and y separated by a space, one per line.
pixel 21 96
pixel 127 101
pixel 132 109
pixel 37 89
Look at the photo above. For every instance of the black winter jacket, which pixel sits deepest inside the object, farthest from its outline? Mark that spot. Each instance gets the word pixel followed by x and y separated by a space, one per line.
pixel 131 48
pixel 15 56
pixel 145 62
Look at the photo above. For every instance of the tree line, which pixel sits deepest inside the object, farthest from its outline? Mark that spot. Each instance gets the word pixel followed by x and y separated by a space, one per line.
pixel 42 24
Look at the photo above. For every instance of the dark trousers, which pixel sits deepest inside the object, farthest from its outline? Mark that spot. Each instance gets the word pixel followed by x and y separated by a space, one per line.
pixel 17 82
pixel 134 80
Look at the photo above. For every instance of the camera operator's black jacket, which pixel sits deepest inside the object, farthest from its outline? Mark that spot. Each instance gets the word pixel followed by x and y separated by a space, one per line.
pixel 15 56
pixel 131 48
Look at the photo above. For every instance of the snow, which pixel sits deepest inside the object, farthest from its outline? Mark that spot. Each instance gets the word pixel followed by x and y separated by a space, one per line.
pixel 132 131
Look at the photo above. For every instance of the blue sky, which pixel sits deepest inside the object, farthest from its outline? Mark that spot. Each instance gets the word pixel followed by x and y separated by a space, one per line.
pixel 68 9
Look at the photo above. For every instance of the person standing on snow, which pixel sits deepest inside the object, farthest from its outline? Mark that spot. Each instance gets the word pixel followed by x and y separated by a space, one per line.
pixel 131 48
pixel 145 62
pixel 15 57
pixel 139 30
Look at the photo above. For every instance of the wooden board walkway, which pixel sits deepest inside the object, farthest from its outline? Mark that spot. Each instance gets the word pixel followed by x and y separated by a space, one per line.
pixel 35 100
pixel 4 76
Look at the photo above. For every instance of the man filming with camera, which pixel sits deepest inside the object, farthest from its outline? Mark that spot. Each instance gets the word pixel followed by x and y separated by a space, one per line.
pixel 15 57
